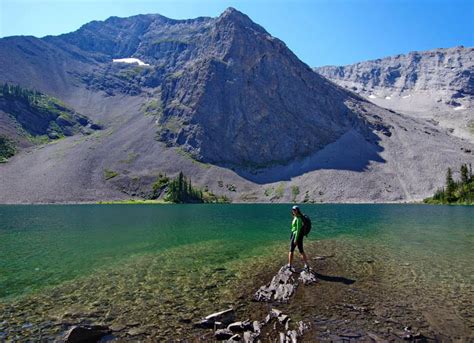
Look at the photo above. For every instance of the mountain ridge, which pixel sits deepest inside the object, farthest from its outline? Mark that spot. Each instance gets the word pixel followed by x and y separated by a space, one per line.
pixel 223 101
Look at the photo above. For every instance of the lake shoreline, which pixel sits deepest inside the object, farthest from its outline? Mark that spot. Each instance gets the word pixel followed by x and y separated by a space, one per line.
pixel 161 202
pixel 344 305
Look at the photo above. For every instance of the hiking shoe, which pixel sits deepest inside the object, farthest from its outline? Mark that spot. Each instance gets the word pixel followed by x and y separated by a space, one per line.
pixel 290 268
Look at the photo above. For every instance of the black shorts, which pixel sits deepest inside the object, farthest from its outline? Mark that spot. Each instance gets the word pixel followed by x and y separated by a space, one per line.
pixel 298 243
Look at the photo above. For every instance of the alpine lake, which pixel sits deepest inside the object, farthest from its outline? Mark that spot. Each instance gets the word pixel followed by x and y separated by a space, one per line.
pixel 157 269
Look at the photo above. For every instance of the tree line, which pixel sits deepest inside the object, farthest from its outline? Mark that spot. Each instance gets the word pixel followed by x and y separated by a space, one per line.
pixel 181 190
pixel 456 191
pixel 30 96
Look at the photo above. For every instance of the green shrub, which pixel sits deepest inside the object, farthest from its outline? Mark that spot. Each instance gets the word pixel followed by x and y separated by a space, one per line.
pixel 7 148
pixel 295 191
pixel 280 190
pixel 110 174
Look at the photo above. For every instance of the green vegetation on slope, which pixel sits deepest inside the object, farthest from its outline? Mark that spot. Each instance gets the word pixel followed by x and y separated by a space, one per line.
pixel 39 114
pixel 455 192
pixel 109 174
pixel 7 148
pixel 181 190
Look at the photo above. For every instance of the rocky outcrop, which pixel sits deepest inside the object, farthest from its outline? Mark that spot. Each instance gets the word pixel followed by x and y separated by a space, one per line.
pixel 85 333
pixel 249 332
pixel 450 70
pixel 435 85
pixel 283 285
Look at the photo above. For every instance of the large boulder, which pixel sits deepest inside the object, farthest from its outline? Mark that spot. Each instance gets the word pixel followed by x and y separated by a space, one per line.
pixel 85 333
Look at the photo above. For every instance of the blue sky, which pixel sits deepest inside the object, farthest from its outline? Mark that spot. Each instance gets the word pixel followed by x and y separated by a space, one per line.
pixel 320 32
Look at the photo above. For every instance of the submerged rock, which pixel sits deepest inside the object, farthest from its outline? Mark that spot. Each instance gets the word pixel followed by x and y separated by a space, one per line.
pixel 85 333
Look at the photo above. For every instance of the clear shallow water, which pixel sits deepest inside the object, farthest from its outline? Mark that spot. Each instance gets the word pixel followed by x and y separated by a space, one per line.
pixel 47 245
pixel 157 268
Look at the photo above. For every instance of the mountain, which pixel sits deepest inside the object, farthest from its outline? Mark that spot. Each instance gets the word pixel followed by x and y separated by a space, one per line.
pixel 221 100
pixel 436 84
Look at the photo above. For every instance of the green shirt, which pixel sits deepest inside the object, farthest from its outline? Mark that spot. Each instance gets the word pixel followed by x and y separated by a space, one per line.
pixel 296 226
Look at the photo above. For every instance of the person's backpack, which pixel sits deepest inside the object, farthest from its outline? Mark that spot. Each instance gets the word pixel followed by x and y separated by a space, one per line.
pixel 306 228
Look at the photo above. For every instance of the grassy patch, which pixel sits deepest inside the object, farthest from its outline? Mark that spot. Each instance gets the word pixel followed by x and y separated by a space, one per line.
pixel 130 158
pixel 470 126
pixel 268 191
pixel 190 157
pixel 153 107
pixel 133 202
pixel 110 174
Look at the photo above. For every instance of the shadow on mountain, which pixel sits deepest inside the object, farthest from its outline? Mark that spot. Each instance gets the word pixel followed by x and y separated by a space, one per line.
pixel 352 152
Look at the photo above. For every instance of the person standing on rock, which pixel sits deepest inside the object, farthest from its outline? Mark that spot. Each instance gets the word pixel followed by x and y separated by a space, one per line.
pixel 296 239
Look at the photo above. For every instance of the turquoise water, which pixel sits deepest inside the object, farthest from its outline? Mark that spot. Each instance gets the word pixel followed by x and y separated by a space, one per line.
pixel 161 266
pixel 46 245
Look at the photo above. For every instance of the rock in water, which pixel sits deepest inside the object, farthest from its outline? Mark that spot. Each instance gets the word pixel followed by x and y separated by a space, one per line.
pixel 85 333
pixel 221 318
pixel 280 289
pixel 226 316
pixel 307 277
pixel 222 334
pixel 234 338
pixel 240 326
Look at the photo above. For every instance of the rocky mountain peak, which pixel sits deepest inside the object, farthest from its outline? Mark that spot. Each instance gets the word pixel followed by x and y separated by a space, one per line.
pixel 231 16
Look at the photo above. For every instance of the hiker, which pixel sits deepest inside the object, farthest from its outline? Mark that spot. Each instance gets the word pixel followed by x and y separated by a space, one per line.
pixel 297 237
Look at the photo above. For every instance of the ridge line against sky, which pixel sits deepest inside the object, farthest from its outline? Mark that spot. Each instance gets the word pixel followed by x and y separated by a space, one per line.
pixel 319 32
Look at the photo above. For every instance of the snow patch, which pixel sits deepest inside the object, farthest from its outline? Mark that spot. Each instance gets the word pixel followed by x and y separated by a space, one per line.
pixel 388 97
pixel 406 96
pixel 459 108
pixel 372 96
pixel 130 60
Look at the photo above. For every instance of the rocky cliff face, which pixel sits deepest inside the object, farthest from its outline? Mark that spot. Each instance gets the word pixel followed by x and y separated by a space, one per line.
pixel 436 84
pixel 449 70
pixel 245 99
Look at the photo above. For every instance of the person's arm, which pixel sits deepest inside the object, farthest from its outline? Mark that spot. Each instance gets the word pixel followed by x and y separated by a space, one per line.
pixel 299 225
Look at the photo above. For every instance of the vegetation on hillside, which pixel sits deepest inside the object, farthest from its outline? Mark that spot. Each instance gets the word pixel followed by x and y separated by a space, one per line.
pixel 181 190
pixel 455 192
pixel 7 148
pixel 40 114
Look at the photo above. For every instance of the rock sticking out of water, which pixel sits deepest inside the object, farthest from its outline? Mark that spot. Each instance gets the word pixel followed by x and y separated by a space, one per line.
pixel 280 289
pixel 307 277
pixel 218 319
pixel 223 334
pixel 283 285
pixel 240 326
pixel 249 332
pixel 85 333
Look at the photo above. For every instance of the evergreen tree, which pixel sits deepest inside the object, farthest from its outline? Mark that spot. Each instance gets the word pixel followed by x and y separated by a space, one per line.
pixel 464 174
pixel 450 185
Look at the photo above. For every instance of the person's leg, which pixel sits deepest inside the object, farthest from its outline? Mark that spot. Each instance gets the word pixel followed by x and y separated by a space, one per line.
pixel 303 254
pixel 292 249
